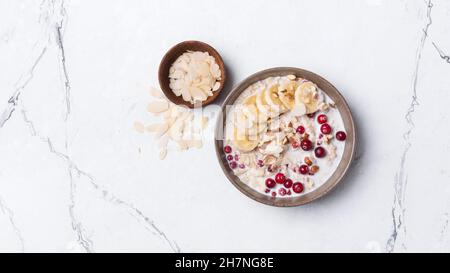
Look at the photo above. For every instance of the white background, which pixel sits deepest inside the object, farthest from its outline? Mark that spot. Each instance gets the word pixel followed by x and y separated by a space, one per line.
pixel 75 176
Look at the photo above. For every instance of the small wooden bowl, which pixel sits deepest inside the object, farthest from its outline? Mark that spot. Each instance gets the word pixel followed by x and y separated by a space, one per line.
pixel 170 58
pixel 343 165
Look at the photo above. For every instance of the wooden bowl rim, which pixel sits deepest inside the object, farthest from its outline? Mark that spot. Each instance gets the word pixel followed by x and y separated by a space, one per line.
pixel 169 57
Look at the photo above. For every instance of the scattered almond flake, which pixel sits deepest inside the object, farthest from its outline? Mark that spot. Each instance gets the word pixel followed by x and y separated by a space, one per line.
pixel 182 145
pixel 309 184
pixel 216 86
pixel 178 126
pixel 163 153
pixel 204 122
pixel 196 143
pixel 156 93
pixel 157 106
pixel 158 129
pixel 139 127
pixel 195 76
pixel 163 141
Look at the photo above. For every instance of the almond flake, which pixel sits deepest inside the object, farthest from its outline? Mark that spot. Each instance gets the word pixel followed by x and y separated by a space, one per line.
pixel 139 127
pixel 156 93
pixel 216 86
pixel 194 76
pixel 163 153
pixel 157 106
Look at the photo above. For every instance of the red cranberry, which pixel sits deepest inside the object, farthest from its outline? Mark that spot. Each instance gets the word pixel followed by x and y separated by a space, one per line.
pixel 300 129
pixel 236 157
pixel 298 187
pixel 304 169
pixel 227 149
pixel 233 165
pixel 320 152
pixel 260 163
pixel 242 166
pixel 282 191
pixel 288 192
pixel 306 144
pixel 341 136
pixel 288 183
pixel 274 194
pixel 325 129
pixel 311 115
pixel 280 178
pixel 321 119
pixel 270 183
pixel 295 145
pixel 229 157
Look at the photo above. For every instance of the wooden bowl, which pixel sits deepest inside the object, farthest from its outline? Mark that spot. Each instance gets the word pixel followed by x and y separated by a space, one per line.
pixel 170 58
pixel 343 165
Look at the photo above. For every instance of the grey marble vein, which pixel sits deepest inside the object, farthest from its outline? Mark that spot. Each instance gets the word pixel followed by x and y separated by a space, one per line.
pixel 19 86
pixel 444 226
pixel 59 41
pixel 441 53
pixel 10 214
pixel 82 239
pixel 401 177
pixel 135 212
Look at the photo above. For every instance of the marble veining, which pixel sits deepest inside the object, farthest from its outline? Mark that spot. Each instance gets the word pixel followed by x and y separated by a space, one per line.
pixel 401 177
pixel 74 176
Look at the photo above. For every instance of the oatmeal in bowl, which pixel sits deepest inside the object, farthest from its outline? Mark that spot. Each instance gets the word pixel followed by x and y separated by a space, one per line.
pixel 286 137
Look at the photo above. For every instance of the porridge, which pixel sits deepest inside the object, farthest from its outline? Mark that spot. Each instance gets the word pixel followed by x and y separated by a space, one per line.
pixel 284 136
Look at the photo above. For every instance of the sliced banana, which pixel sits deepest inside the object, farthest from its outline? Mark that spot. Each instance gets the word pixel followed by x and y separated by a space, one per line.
pixel 243 143
pixel 261 103
pixel 287 94
pixel 241 121
pixel 299 109
pixel 308 94
pixel 272 98
pixel 251 110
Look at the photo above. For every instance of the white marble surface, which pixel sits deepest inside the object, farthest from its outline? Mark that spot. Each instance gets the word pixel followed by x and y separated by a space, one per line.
pixel 75 75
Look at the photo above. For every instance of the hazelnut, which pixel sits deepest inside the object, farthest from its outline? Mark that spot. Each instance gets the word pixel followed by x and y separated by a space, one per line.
pixel 314 169
pixel 308 161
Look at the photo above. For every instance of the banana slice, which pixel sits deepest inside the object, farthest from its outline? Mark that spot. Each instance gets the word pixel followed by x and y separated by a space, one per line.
pixel 287 94
pixel 277 107
pixel 242 122
pixel 309 95
pixel 251 110
pixel 243 143
pixel 257 130
pixel 261 103
pixel 254 131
